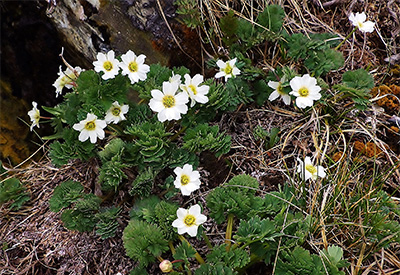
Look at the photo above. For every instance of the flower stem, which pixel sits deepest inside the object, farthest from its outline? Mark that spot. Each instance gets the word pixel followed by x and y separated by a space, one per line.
pixel 197 255
pixel 347 37
pixel 228 234
pixel 171 246
pixel 207 241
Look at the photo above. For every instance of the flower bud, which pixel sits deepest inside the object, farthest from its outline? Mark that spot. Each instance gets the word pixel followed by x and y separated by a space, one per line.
pixel 166 266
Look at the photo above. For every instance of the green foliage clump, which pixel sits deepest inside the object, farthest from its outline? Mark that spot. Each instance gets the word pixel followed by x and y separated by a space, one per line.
pixel 111 175
pixel 11 189
pixel 204 137
pixel 315 50
pixel 144 242
pixel 357 85
pixel 189 13
pixel 234 258
pixel 218 269
pixel 65 194
pixel 107 223
pixel 165 212
pixel 82 216
pixel 237 197
pixel 71 148
pixel 301 261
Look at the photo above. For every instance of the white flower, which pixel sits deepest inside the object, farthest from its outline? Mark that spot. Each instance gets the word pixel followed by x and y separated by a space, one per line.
pixel 167 103
pixel 175 78
pixel 278 91
pixel 306 90
pixel 358 20
pixel 196 93
pixel 34 114
pixel 66 79
pixel 116 113
pixel 186 179
pixel 227 69
pixel 91 127
pixel 189 220
pixel 134 66
pixel 107 64
pixel 308 171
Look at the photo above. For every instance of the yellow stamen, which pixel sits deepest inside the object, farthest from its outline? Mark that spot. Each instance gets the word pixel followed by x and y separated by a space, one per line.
pixel 116 111
pixel 310 168
pixel 168 101
pixel 189 220
pixel 133 66
pixel 193 88
pixel 108 66
pixel 185 179
pixel 228 69
pixel 303 91
pixel 90 125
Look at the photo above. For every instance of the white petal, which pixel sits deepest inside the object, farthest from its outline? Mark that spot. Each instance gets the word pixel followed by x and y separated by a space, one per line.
pixel 181 213
pixel 192 230
pixel 221 64
pixel 274 95
pixel 273 84
pixel 201 219
pixel 83 136
pixel 286 99
pixel 195 210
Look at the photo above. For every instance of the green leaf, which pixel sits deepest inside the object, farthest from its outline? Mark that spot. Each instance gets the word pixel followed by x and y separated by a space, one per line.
pixel 107 223
pixel 234 258
pixel 184 251
pixel 11 189
pixel 219 269
pixel 359 79
pixel 144 242
pixel 65 194
pixel 204 137
pixel 272 18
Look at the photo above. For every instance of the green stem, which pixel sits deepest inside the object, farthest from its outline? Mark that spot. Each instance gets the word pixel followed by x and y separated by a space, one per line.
pixel 197 255
pixel 208 243
pixel 347 37
pixel 228 234
pixel 171 246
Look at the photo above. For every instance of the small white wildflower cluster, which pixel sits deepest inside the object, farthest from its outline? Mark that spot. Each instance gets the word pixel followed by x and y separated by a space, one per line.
pixel 170 103
pixel 308 171
pixel 66 79
pixel 93 128
pixel 304 88
pixel 133 66
pixel 358 20
pixel 188 221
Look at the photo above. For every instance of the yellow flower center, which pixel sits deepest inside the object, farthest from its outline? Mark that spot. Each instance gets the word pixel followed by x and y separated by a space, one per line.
pixel 185 179
pixel 133 67
pixel 168 101
pixel 90 125
pixel 189 220
pixel 108 66
pixel 310 168
pixel 280 89
pixel 303 91
pixel 193 88
pixel 228 69
pixel 116 111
